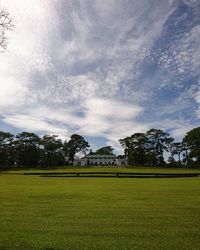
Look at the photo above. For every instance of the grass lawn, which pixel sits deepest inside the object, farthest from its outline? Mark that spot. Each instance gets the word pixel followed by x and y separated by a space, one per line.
pixel 99 213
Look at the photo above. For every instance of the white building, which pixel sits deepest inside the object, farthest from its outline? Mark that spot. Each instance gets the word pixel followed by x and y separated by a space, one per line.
pixel 100 160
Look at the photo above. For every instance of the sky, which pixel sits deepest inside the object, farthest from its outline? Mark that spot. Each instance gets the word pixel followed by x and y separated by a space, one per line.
pixel 104 69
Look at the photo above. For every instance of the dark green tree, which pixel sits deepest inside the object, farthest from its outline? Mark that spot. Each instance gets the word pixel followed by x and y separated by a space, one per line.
pixel 107 150
pixel 192 142
pixel 177 149
pixel 76 144
pixel 27 149
pixel 185 152
pixel 6 149
pixel 91 152
pixel 52 153
pixel 158 142
pixel 126 144
pixel 135 148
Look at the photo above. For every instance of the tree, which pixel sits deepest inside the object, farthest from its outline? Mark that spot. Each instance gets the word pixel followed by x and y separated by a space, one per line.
pixel 107 150
pixel 146 148
pixel 75 145
pixel 52 153
pixel 192 143
pixel 135 147
pixel 27 149
pixel 139 144
pixel 6 156
pixel 185 150
pixel 126 144
pixel 177 149
pixel 158 142
pixel 5 24
pixel 91 152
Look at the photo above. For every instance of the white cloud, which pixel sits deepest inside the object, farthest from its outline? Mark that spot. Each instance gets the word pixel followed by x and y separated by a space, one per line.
pixel 177 126
pixel 101 117
pixel 76 50
pixel 35 124
pixel 76 66
pixel 111 108
pixel 110 119
pixel 183 55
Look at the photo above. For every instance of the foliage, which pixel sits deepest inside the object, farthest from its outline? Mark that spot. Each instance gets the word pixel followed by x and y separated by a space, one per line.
pixel 176 149
pixel 146 148
pixel 158 142
pixel 6 152
pixel 26 149
pixel 52 153
pixel 192 143
pixel 107 150
pixel 29 150
pixel 76 144
pixel 135 148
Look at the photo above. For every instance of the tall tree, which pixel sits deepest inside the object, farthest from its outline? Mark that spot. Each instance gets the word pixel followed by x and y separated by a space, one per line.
pixel 107 150
pixel 192 143
pixel 27 149
pixel 185 153
pixel 75 145
pixel 126 144
pixel 135 147
pixel 158 141
pixel 177 149
pixel 6 154
pixel 52 153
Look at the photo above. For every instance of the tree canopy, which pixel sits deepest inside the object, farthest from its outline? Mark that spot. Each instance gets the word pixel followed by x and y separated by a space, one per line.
pixel 107 150
pixel 6 148
pixel 27 149
pixel 76 144
pixel 146 148
pixel 192 142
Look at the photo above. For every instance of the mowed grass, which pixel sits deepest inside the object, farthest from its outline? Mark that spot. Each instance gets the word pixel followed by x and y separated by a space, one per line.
pixel 99 213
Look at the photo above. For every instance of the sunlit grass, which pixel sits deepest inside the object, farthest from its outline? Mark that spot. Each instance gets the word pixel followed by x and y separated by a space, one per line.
pixel 92 213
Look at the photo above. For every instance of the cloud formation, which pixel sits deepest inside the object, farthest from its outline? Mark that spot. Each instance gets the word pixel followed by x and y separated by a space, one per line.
pixel 99 68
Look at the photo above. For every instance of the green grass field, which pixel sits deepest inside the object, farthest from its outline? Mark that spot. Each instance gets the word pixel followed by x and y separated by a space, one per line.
pixel 99 213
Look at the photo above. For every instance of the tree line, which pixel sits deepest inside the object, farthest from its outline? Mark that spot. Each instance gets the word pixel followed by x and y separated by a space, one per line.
pixel 27 149
pixel 152 147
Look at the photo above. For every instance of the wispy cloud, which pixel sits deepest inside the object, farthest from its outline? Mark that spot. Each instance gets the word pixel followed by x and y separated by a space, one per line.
pixel 98 67
pixel 99 117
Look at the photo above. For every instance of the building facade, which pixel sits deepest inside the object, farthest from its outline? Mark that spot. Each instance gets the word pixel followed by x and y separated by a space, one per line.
pixel 100 160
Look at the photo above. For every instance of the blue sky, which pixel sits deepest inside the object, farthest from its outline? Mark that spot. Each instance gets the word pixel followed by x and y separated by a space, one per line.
pixel 104 69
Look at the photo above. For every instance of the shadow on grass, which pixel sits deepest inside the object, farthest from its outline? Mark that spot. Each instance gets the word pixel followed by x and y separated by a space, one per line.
pixel 114 175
